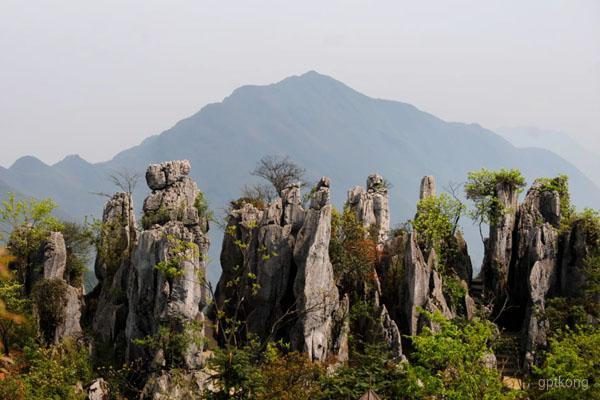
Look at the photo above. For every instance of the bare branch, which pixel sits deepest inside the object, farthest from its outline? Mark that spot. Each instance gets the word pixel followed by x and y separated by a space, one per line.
pixel 279 171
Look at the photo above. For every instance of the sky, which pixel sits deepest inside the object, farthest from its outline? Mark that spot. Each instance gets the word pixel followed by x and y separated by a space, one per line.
pixel 95 78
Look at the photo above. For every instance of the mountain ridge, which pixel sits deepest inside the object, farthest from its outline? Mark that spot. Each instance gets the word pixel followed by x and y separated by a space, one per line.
pixel 323 125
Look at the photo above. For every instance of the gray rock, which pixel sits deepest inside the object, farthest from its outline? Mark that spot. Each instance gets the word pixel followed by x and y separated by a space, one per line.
pixel 99 390
pixel 372 206
pixel 176 384
pixel 498 251
pixel 113 262
pixel 427 187
pixel 156 298
pixel 55 256
pixel 417 278
pixel 317 298
pixel 159 176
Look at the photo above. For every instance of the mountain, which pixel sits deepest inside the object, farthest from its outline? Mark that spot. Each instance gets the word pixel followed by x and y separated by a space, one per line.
pixel 322 124
pixel 558 142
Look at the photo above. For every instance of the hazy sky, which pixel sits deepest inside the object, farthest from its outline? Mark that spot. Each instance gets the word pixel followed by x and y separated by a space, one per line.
pixel 97 77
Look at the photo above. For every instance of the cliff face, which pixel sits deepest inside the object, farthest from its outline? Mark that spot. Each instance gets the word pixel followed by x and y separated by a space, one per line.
pixel 153 279
pixel 278 281
pixel 287 288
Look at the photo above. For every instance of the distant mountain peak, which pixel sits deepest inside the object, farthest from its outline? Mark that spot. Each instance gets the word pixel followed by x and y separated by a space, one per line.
pixel 28 164
pixel 72 160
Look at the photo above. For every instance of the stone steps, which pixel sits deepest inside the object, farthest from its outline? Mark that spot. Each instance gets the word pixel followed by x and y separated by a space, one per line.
pixel 506 349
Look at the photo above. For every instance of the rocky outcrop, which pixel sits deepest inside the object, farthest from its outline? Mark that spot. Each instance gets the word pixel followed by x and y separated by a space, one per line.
pixel 534 268
pixel 113 263
pixel 165 286
pixel 316 296
pixel 284 287
pixel 427 187
pixel 372 206
pixel 99 390
pixel 57 304
pixel 498 250
pixel 55 256
pixel 176 384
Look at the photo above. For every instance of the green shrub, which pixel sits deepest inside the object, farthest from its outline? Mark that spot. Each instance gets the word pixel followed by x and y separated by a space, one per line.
pixel 49 297
pixel 560 184
pixel 574 356
pixel 160 217
pixel 482 186
pixel 49 373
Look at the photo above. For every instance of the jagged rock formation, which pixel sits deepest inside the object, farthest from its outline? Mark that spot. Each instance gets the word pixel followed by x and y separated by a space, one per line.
pixel 153 278
pixel 57 304
pixel 372 211
pixel 498 247
pixel 372 207
pixel 291 291
pixel 316 295
pixel 175 238
pixel 113 262
pixel 543 262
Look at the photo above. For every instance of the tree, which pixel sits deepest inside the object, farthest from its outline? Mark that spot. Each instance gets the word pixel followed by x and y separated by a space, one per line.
pixel 448 362
pixel 28 222
pixel 572 366
pixel 482 189
pixel 13 305
pixel 279 171
pixel 437 219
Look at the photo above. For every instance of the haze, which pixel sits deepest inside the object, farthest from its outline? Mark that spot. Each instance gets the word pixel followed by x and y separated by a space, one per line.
pixel 94 78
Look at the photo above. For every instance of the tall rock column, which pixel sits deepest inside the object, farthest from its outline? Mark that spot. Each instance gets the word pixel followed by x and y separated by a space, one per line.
pixel 113 261
pixel 372 207
pixel 372 211
pixel 534 269
pixel 498 249
pixel 166 280
pixel 317 297
pixel 57 304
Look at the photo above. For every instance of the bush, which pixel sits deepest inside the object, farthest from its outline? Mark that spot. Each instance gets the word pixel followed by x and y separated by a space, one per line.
pixel 352 252
pixel 49 373
pixel 49 297
pixel 482 186
pixel 574 357
pixel 449 361
pixel 560 184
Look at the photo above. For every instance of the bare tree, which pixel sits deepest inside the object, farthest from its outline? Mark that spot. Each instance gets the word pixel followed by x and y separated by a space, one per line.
pixel 125 180
pixel 259 191
pixel 279 171
pixel 454 189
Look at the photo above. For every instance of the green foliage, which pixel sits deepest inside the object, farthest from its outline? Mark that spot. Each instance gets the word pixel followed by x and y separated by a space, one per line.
pixel 160 217
pixel 178 252
pixel 79 241
pixel 257 202
pixel 237 375
pixel 352 252
pixel 29 223
pixel 560 184
pixel 449 361
pixel 51 373
pixel 289 376
pixel 436 220
pixel 29 212
pixel 372 368
pixel 481 188
pixel 15 309
pixel 49 297
pixel 174 340
pixel 574 357
pixel 204 212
